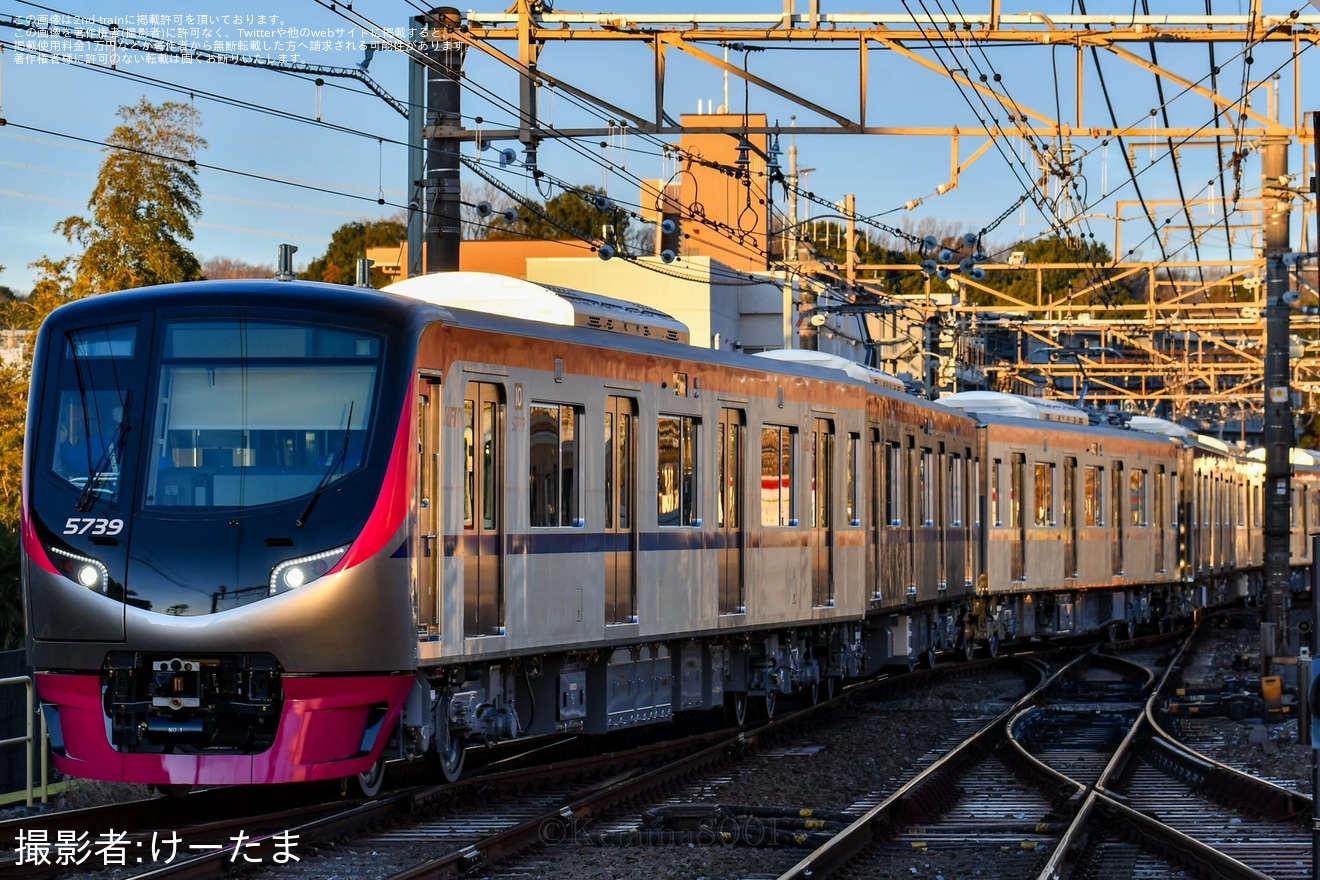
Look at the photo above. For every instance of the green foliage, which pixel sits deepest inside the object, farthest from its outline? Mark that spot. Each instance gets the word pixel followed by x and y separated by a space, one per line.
pixel 829 239
pixel 13 411
pixel 217 268
pixel 142 208
pixel 348 244
pixel 54 287
pixel 1093 275
pixel 569 215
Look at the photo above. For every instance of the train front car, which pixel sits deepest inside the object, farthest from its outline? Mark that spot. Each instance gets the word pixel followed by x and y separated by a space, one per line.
pixel 214 494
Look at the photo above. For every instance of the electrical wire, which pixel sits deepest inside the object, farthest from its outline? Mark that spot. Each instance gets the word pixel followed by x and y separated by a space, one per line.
pixel 193 163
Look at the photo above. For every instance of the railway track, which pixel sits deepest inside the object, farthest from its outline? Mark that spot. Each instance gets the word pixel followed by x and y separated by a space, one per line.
pixel 755 818
pixel 1080 781
pixel 1032 791
pixel 209 833
pixel 479 822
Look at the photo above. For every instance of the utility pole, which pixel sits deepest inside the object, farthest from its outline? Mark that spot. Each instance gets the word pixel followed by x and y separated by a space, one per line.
pixel 850 211
pixel 1278 427
pixel 791 245
pixel 441 228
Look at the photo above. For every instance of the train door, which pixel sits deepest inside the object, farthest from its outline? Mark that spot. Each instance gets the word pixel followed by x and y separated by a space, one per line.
pixel 822 511
pixel 483 517
pixel 940 488
pixel 1161 564
pixel 879 514
pixel 428 506
pixel 1017 522
pixel 960 517
pixel 1116 517
pixel 1070 517
pixel 908 511
pixel 620 503
pixel 732 442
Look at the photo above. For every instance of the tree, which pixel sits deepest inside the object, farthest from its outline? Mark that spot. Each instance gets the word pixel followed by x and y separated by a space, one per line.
pixel 142 208
pixel 349 243
pixel 573 214
pixel 1060 284
pixel 54 287
pixel 226 267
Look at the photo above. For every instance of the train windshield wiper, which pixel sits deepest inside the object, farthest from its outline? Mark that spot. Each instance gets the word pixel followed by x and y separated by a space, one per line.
pixel 110 460
pixel 337 462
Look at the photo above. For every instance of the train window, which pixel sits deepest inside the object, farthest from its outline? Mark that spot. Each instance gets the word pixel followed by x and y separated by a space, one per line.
pixel 926 486
pixel 894 493
pixel 975 479
pixel 253 412
pixel 676 471
pixel 854 500
pixel 93 397
pixel 1137 498
pixel 1044 493
pixel 957 490
pixel 1175 496
pixel 996 514
pixel 777 475
pixel 1116 494
pixel 1016 487
pixel 553 464
pixel 1095 515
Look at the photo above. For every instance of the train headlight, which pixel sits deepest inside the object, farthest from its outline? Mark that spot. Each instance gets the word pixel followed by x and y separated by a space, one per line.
pixel 82 570
pixel 294 573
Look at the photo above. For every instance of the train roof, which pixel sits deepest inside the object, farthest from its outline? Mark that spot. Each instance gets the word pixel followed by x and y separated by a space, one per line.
pixel 996 403
pixel 1152 425
pixel 829 361
pixel 548 303
pixel 1303 457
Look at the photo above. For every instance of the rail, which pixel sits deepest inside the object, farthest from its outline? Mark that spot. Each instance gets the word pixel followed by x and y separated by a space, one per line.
pixel 26 738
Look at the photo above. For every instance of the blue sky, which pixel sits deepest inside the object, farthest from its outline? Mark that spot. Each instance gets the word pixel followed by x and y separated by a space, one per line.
pixel 285 178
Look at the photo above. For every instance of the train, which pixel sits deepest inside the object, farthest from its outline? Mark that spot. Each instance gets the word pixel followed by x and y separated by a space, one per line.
pixel 283 531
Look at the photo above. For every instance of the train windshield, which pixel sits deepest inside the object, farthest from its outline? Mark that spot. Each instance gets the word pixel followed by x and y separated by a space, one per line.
pixel 256 412
pixel 92 401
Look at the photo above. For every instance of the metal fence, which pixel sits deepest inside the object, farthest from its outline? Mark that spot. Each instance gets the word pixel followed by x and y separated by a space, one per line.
pixel 23 753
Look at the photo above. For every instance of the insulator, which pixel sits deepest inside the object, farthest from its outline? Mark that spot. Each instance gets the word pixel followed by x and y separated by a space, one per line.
pixel 970 239
pixel 966 264
pixel 979 256
pixel 978 274
pixel 605 252
pixel 928 266
pixel 507 157
pixel 931 241
pixel 668 256
pixel 744 159
pixel 946 255
pixel 668 227
pixel 602 203
pixel 483 209
pixel 944 273
pixel 509 215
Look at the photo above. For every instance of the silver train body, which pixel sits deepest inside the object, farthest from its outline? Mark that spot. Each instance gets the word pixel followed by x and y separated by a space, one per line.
pixel 529 527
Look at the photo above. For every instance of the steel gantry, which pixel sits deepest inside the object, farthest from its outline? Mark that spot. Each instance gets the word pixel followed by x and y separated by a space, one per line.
pixel 907 33
pixel 1194 336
